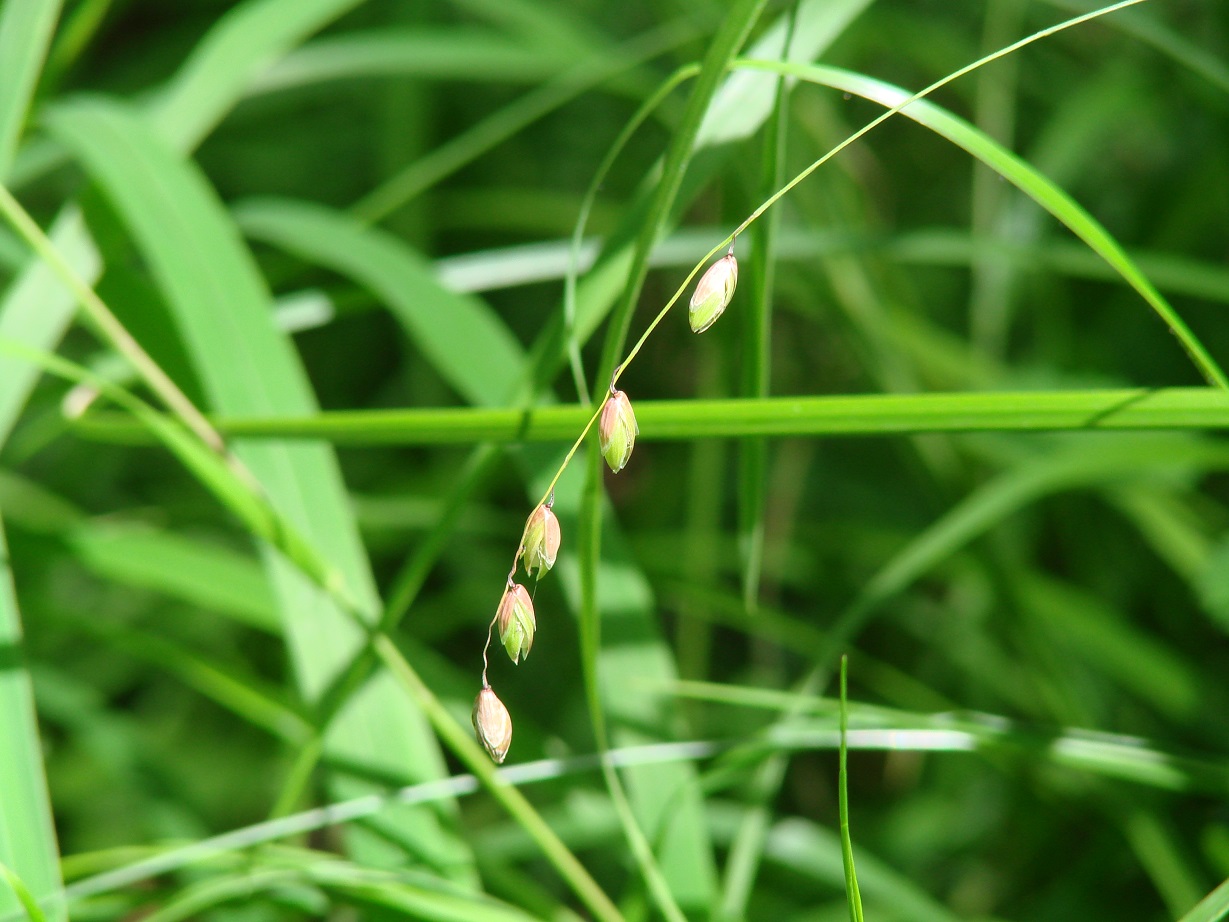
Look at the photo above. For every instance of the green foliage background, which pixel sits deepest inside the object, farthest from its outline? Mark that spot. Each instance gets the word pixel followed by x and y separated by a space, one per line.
pixel 959 422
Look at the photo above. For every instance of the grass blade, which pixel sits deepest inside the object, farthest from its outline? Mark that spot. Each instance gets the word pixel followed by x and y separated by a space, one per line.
pixel 1096 410
pixel 37 310
pixel 1212 908
pixel 25 34
pixel 27 836
pixel 851 876
pixel 214 473
pixel 875 728
pixel 745 102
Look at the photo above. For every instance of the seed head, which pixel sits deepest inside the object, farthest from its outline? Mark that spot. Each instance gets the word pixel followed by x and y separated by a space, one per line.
pixel 713 293
pixel 493 724
pixel 617 430
pixel 541 541
pixel 516 622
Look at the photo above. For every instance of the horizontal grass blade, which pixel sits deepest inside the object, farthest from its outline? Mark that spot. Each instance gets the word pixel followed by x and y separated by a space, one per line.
pixel 1109 410
pixel 1136 759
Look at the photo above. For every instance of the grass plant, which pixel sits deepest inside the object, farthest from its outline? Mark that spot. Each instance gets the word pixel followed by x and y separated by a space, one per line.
pixel 314 313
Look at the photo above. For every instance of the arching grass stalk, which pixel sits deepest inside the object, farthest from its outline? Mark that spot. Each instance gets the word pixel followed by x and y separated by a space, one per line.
pixel 1214 374
pixel 621 422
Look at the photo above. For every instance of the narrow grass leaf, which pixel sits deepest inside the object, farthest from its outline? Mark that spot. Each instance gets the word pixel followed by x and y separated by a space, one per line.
pixel 506 122
pixel 1067 467
pixel 554 25
pixel 789 35
pixel 215 474
pixel 661 810
pixel 851 876
pixel 77 29
pixel 251 888
pixel 1164 858
pixel 1171 272
pixel 25 35
pixel 238 691
pixel 246 41
pixel 1094 632
pixel 757 314
pixel 1212 908
pixel 409 895
pixel 1148 28
pixel 27 837
pixel 1090 411
pixel 804 848
pixel 1136 759
pixel 37 309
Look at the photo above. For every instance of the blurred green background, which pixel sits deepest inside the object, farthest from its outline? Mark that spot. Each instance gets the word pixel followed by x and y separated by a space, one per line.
pixel 298 206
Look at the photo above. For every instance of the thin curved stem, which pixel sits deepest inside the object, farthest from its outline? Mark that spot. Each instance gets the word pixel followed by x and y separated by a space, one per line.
pixel 1209 368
